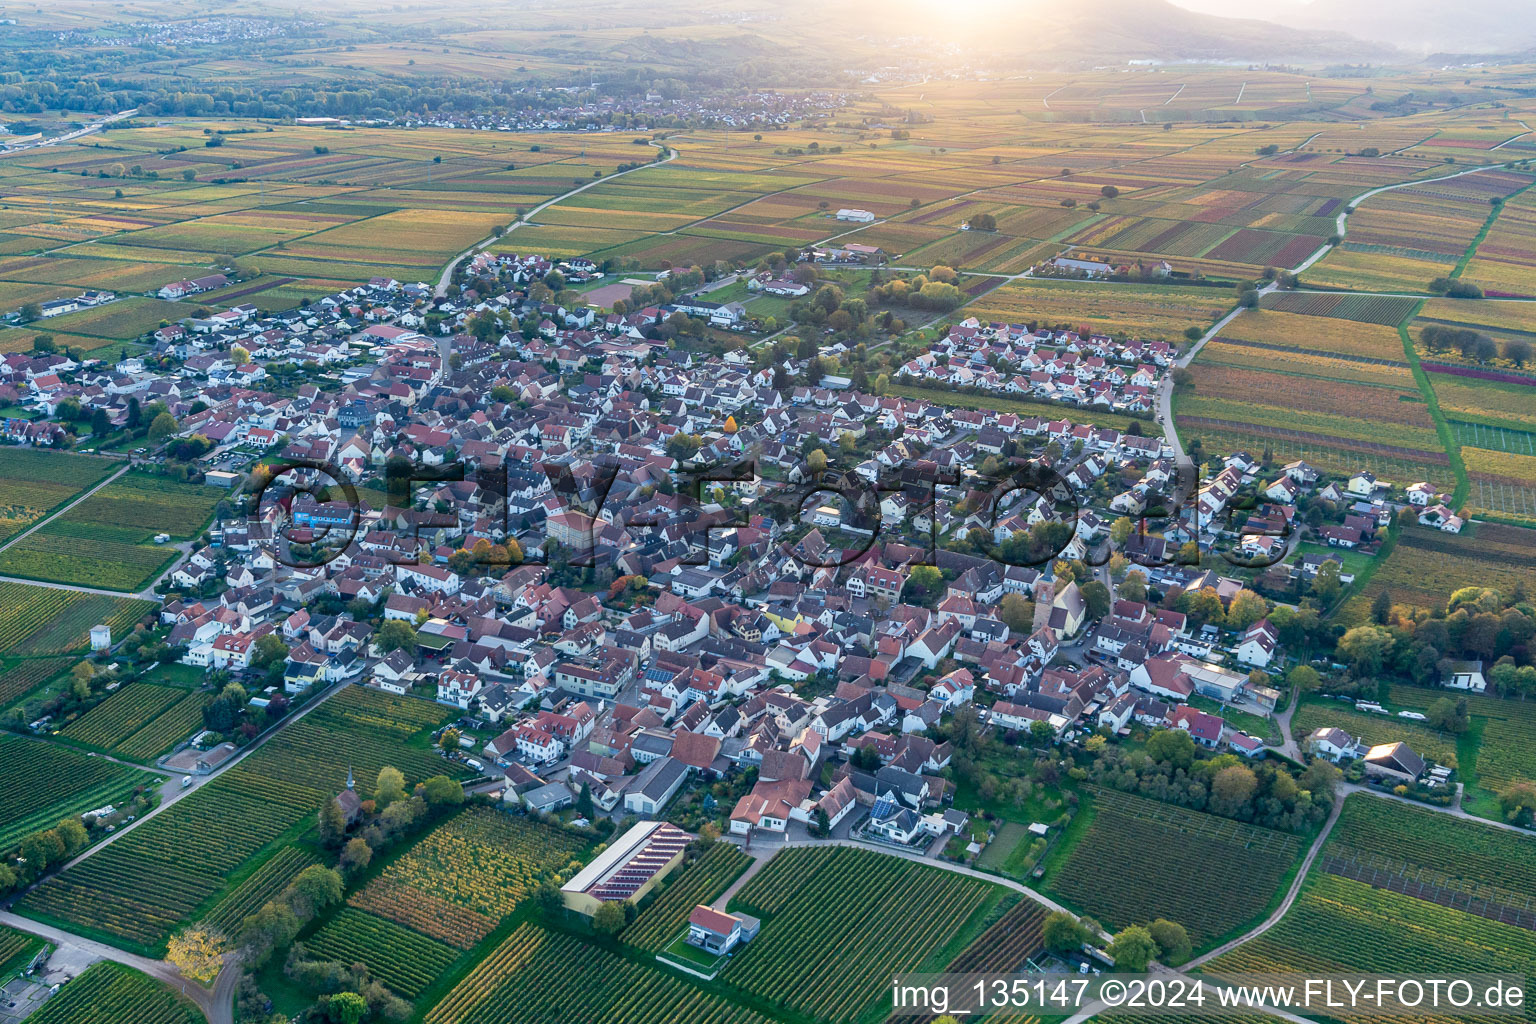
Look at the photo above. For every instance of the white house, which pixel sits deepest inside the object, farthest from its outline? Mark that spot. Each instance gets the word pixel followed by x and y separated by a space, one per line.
pixel 715 931
pixel 1467 675
pixel 1257 648
pixel 1334 744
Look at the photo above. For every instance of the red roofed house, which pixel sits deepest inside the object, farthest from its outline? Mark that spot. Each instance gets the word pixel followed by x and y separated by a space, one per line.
pixel 1205 729
pixel 715 931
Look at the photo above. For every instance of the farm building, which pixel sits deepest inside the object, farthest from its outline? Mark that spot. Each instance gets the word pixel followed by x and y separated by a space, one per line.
pixel 1394 762
pixel 629 868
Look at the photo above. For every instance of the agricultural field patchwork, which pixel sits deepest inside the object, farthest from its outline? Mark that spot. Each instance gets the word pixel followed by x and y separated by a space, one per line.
pixel 1507 747
pixel 1341 925
pixel 42 620
pixel 1365 415
pixel 663 919
pixel 1390 844
pixel 404 960
pixel 261 885
pixel 1371 729
pixel 1427 566
pixel 140 721
pixel 1123 311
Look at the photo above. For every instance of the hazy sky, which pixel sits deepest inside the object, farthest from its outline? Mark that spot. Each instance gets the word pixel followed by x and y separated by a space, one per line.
pixel 1233 8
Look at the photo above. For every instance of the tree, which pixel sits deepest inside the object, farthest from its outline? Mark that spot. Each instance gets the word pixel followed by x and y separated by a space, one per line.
pixel 1204 606
pixel 268 651
pixel 314 889
pixel 395 635
pixel 41 849
pixel 272 927
pixel 72 834
pixel 239 355
pixel 197 953
pixel 816 463
pixel 1133 949
pixel 1304 678
pixel 346 1008
pixel 1095 599
pixel 1246 609
pixel 1041 732
pixel 441 791
pixel 1120 531
pixel 1518 802
pixel 389 787
pixel 449 740
pixel 926 578
pixel 1173 945
pixel 1326 586
pixel 1232 788
pixel 1064 933
pixel 548 899
pixel 333 823
pixel 1016 613
pixel 1448 715
pixel 1171 746
pixel 355 855
pixel 1381 608
pixel 1320 778
pixel 163 425
pixel 609 918
pixel 1134 586
pixel 1109 192
pixel 1366 648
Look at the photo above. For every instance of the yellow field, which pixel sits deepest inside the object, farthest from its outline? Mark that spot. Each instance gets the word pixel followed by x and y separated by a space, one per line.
pixel 1323 334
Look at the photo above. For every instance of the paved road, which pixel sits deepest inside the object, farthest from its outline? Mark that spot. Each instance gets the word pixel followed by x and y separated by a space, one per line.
pixel 446 277
pixel 78 133
pixel 1289 747
pixel 208 1000
pixel 1164 408
pixel 1341 222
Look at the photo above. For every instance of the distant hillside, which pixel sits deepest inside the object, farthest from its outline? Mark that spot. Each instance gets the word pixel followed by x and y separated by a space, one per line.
pixel 1425 26
pixel 1115 31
